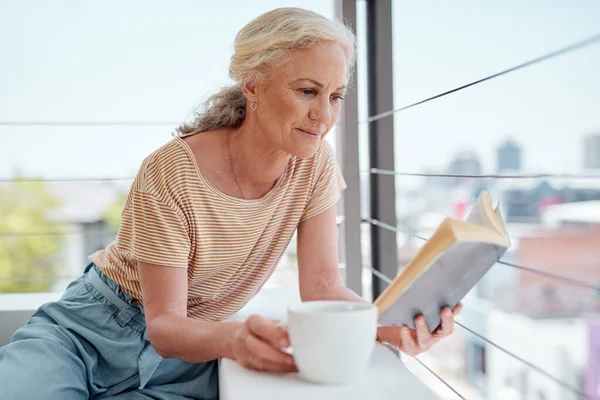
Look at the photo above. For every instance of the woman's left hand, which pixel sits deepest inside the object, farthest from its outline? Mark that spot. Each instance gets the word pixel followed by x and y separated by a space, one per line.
pixel 416 341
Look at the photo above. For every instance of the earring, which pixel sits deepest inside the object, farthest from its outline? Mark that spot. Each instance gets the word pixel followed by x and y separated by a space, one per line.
pixel 253 104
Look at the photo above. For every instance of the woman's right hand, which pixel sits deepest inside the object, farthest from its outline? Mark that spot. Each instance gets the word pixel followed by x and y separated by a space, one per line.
pixel 258 345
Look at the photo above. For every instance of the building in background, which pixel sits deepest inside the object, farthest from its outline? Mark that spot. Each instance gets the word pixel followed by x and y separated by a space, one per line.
pixel 547 321
pixel 558 346
pixel 591 152
pixel 464 162
pixel 568 247
pixel 83 207
pixel 509 157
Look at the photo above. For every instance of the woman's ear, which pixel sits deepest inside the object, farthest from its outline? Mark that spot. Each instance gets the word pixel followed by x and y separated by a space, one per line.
pixel 249 89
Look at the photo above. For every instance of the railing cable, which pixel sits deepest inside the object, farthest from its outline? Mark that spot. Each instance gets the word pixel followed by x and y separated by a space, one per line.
pixel 67 179
pixel 530 365
pixel 58 233
pixel 565 279
pixel 440 378
pixel 388 280
pixel 35 278
pixel 377 171
pixel 575 46
pixel 90 123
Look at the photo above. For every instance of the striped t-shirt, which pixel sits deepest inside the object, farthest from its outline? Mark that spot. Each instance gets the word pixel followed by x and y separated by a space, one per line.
pixel 230 246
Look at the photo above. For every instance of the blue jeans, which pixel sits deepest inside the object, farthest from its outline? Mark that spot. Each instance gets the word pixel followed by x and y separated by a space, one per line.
pixel 92 343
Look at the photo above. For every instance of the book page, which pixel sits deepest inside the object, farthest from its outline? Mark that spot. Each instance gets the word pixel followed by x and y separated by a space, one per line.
pixel 443 283
pixel 500 217
pixel 481 214
pixel 476 212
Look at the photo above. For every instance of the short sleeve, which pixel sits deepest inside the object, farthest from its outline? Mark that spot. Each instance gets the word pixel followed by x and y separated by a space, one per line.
pixel 157 234
pixel 328 185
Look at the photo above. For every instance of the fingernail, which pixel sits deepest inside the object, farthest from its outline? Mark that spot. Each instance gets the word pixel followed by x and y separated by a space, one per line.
pixel 284 343
pixel 421 322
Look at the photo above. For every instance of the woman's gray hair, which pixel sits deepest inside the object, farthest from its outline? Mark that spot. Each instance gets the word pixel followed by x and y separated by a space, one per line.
pixel 263 43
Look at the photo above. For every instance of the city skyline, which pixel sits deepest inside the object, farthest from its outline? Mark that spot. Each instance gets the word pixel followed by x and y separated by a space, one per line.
pixel 513 140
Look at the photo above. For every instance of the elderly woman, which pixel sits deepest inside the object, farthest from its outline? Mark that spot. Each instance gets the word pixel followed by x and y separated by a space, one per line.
pixel 207 218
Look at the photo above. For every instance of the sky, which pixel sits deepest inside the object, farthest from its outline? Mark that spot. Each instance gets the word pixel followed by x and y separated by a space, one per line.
pixel 156 61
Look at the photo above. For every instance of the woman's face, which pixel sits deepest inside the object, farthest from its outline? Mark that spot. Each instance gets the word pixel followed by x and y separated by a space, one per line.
pixel 302 100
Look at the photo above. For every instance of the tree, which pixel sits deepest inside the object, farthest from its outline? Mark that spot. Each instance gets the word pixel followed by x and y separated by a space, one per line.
pixel 113 212
pixel 28 249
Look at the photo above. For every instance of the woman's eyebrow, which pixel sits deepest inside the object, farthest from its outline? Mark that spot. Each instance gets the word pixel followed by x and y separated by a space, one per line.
pixel 317 83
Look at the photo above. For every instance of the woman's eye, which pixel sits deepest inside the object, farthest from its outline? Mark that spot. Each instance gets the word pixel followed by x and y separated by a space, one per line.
pixel 307 91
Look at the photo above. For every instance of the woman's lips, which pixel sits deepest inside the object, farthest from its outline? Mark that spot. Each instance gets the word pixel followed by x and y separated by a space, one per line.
pixel 309 133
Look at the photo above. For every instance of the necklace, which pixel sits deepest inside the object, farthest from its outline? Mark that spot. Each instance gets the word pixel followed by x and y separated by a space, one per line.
pixel 232 169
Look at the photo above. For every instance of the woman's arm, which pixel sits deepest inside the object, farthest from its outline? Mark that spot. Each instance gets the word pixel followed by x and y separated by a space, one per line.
pixel 320 280
pixel 255 343
pixel 170 331
pixel 318 266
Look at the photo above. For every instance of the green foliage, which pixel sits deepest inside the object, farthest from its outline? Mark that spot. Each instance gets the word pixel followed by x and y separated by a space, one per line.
pixel 113 212
pixel 24 207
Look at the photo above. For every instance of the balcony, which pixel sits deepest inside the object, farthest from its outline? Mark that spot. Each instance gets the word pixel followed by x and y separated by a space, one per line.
pixel 426 93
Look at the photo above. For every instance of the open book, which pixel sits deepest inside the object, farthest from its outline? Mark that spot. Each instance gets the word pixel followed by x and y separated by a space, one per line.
pixel 446 267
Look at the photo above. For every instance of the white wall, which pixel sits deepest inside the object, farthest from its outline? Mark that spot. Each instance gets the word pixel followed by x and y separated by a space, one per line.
pixel 557 346
pixel 16 308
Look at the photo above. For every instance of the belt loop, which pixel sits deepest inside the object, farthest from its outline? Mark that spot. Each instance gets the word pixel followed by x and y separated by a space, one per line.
pixel 125 316
pixel 126 311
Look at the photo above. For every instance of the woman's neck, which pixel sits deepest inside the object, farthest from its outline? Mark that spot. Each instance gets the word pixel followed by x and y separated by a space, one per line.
pixel 255 161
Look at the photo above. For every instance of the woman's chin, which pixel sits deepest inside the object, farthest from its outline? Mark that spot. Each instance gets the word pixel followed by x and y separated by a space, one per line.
pixel 305 146
pixel 305 151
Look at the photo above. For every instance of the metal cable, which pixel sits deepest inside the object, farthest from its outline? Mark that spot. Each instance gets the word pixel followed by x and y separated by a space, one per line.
pixel 380 275
pixel 530 365
pixel 586 42
pixel 388 280
pixel 67 179
pixel 89 123
pixel 35 278
pixel 375 171
pixel 57 233
pixel 575 46
pixel 553 276
pixel 571 281
pixel 440 378
pixel 378 171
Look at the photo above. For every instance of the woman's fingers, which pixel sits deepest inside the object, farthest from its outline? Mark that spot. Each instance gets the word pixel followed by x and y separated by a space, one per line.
pixel 258 346
pixel 420 339
pixel 447 326
pixel 259 349
pixel 457 309
pixel 409 345
pixel 423 334
pixel 261 364
pixel 270 331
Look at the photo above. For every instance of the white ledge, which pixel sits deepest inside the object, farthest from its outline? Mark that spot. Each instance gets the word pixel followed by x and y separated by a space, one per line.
pixel 386 377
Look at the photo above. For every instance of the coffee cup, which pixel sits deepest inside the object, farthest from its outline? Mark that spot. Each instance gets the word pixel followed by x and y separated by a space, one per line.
pixel 332 341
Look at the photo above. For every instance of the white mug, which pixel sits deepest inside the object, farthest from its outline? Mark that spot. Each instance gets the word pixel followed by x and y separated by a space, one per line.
pixel 332 341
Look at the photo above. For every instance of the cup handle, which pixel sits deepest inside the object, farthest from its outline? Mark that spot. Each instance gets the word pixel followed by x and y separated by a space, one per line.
pixel 282 325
